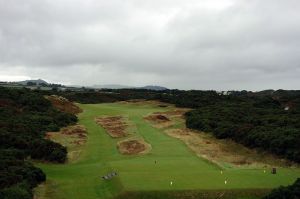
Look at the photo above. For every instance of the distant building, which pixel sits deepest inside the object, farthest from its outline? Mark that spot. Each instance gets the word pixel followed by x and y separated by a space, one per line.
pixel 223 92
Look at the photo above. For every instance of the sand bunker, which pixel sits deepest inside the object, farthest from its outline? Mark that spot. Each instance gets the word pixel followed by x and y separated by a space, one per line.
pixel 115 126
pixel 174 113
pixel 64 104
pixel 133 147
pixel 166 119
pixel 78 130
pixel 159 120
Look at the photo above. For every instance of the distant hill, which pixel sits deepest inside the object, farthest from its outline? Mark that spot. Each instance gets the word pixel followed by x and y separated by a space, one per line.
pixel 112 86
pixel 38 82
pixel 155 88
pixel 118 86
pixel 104 86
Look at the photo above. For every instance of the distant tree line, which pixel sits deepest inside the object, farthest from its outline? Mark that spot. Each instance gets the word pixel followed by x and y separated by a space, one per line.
pixel 109 95
pixel 25 116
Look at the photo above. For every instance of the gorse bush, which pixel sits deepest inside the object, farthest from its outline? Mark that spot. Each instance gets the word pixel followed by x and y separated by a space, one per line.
pixel 25 116
pixel 289 192
pixel 257 123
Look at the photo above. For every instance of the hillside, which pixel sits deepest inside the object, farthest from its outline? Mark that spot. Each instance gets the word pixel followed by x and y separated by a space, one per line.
pixel 63 104
pixel 37 82
pixel 117 86
pixel 154 88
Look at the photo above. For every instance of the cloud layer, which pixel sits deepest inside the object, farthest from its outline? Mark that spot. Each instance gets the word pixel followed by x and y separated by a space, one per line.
pixel 206 44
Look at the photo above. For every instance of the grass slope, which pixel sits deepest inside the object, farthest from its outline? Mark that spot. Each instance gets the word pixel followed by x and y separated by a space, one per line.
pixel 175 162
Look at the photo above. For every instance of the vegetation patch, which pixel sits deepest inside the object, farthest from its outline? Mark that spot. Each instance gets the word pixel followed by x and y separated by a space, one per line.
pixel 143 102
pixel 76 130
pixel 159 120
pixel 134 101
pixel 45 190
pixel 207 194
pixel 63 104
pixel 225 152
pixel 133 147
pixel 262 123
pixel 289 192
pixel 25 116
pixel 115 126
pixel 179 113
pixel 72 137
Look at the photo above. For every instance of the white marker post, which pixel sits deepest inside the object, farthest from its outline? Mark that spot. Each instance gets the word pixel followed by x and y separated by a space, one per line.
pixel 225 182
pixel 171 183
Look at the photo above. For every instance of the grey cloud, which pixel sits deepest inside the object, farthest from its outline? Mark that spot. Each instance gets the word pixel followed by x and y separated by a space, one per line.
pixel 208 44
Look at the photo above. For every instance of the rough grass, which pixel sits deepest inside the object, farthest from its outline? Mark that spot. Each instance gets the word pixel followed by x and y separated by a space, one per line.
pixel 226 153
pixel 139 174
pixel 72 137
pixel 64 104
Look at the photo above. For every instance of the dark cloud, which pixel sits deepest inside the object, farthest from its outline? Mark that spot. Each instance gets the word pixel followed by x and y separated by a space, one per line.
pixel 207 44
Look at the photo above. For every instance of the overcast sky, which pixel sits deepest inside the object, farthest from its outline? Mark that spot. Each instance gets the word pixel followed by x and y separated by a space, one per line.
pixel 185 44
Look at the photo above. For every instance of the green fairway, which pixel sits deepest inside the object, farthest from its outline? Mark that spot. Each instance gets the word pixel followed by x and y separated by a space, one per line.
pixel 175 162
